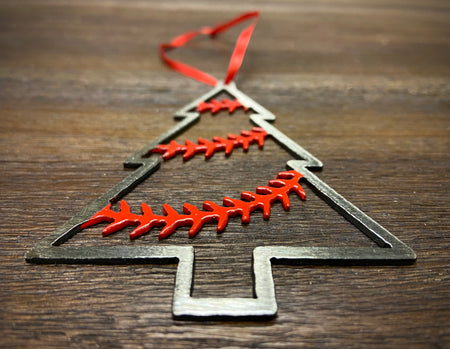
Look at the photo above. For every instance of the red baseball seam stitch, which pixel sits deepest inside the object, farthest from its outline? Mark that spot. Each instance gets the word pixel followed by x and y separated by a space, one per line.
pixel 277 190
pixel 256 135
pixel 214 106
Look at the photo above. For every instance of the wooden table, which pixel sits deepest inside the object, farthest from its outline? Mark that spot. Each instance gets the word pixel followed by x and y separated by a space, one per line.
pixel 363 86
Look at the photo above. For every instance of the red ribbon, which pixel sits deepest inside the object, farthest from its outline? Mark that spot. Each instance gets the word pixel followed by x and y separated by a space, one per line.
pixel 236 58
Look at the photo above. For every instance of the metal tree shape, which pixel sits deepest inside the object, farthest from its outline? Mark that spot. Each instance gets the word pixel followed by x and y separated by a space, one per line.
pixel 51 249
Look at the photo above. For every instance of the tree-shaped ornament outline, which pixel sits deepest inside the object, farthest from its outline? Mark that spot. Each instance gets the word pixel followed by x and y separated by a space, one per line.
pixel 389 251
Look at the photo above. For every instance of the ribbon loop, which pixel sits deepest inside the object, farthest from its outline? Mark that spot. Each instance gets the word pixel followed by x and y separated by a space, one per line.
pixel 237 56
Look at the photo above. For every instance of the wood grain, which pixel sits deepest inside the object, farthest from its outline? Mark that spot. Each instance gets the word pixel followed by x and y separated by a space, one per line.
pixel 362 86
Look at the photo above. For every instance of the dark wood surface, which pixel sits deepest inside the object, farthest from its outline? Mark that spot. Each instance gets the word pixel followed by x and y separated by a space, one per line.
pixel 364 86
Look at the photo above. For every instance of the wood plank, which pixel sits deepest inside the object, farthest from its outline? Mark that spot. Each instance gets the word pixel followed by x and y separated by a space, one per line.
pixel 363 86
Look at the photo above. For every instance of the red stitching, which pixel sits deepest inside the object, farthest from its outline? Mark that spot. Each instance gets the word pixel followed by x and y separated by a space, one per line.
pixel 256 135
pixel 277 190
pixel 214 106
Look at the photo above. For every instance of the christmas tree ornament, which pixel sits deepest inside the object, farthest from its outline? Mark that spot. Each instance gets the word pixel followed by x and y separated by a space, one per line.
pixel 52 249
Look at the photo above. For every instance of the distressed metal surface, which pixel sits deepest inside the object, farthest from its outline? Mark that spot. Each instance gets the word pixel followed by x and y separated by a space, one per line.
pixel 263 305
